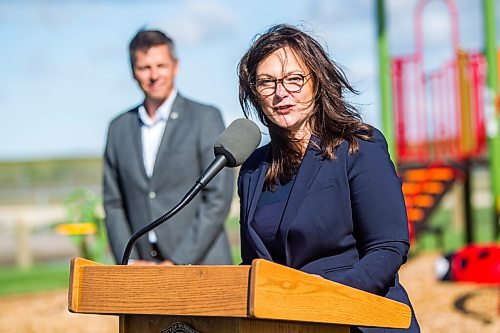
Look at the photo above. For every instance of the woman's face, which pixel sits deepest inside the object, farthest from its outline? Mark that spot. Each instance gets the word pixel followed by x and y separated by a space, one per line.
pixel 286 90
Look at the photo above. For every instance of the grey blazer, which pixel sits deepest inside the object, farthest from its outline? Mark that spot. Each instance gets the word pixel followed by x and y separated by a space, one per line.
pixel 196 235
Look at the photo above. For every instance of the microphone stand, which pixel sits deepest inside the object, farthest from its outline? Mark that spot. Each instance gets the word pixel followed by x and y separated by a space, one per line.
pixel 215 167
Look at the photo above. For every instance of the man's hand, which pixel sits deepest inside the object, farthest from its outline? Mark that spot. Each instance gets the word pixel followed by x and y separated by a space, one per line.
pixel 141 263
pixel 134 262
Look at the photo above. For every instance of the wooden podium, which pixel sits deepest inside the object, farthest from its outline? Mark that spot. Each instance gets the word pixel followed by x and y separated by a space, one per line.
pixel 264 297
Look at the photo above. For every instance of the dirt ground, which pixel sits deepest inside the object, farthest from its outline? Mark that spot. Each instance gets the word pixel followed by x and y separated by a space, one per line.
pixel 440 307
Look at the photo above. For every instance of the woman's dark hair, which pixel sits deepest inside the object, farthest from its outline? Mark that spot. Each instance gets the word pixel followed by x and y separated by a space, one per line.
pixel 146 39
pixel 333 120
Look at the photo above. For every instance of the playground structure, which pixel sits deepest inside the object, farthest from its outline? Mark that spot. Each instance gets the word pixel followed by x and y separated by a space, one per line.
pixel 440 120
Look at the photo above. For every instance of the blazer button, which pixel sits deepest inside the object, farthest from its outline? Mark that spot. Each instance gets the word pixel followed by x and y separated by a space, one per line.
pixel 152 195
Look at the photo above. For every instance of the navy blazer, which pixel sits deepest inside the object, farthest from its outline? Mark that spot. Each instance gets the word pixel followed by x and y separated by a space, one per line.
pixel 345 219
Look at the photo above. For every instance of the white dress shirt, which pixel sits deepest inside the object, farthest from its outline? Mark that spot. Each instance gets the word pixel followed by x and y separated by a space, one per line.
pixel 152 130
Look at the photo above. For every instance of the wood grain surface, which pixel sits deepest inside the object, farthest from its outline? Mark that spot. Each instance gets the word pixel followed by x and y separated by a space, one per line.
pixel 161 290
pixel 280 292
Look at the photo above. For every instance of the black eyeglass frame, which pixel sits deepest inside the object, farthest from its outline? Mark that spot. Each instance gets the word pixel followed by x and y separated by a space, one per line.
pixel 305 78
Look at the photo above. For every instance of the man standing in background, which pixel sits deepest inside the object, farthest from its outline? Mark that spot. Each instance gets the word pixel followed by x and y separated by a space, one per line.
pixel 154 154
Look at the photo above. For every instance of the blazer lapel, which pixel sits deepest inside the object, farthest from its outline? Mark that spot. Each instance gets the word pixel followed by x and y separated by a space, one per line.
pixel 135 130
pixel 308 170
pixel 254 185
pixel 175 115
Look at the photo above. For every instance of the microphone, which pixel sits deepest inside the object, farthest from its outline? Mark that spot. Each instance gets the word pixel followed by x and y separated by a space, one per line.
pixel 233 146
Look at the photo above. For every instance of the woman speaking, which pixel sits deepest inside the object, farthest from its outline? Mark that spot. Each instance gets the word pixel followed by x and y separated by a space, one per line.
pixel 323 196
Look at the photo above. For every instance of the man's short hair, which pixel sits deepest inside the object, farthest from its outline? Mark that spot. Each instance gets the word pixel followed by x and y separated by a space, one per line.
pixel 145 39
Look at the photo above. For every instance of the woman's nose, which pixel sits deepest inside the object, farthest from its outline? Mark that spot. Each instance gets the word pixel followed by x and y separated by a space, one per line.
pixel 280 89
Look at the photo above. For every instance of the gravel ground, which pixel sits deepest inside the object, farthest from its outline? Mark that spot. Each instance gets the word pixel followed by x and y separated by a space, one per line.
pixel 440 307
pixel 443 307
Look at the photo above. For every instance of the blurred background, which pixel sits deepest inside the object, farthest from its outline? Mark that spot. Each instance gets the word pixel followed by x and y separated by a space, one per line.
pixel 65 73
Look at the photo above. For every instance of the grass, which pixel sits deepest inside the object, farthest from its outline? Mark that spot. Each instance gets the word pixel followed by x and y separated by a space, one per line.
pixel 14 280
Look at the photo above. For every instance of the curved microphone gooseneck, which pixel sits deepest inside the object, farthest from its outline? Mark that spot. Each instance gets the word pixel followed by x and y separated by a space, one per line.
pixel 231 149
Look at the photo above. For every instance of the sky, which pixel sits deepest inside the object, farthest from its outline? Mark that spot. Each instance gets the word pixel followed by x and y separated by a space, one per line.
pixel 64 71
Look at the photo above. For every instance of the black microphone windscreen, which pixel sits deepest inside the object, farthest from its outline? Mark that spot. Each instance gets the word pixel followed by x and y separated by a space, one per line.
pixel 238 141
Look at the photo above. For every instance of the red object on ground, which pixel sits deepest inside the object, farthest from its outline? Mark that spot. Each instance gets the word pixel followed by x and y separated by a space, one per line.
pixel 477 263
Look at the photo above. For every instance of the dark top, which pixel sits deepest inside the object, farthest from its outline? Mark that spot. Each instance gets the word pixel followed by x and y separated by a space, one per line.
pixel 345 219
pixel 268 217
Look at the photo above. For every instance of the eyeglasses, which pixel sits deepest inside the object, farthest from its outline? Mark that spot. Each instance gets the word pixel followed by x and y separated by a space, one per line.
pixel 292 83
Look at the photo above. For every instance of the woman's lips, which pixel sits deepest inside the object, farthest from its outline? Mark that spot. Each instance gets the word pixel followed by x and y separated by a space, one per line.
pixel 283 110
